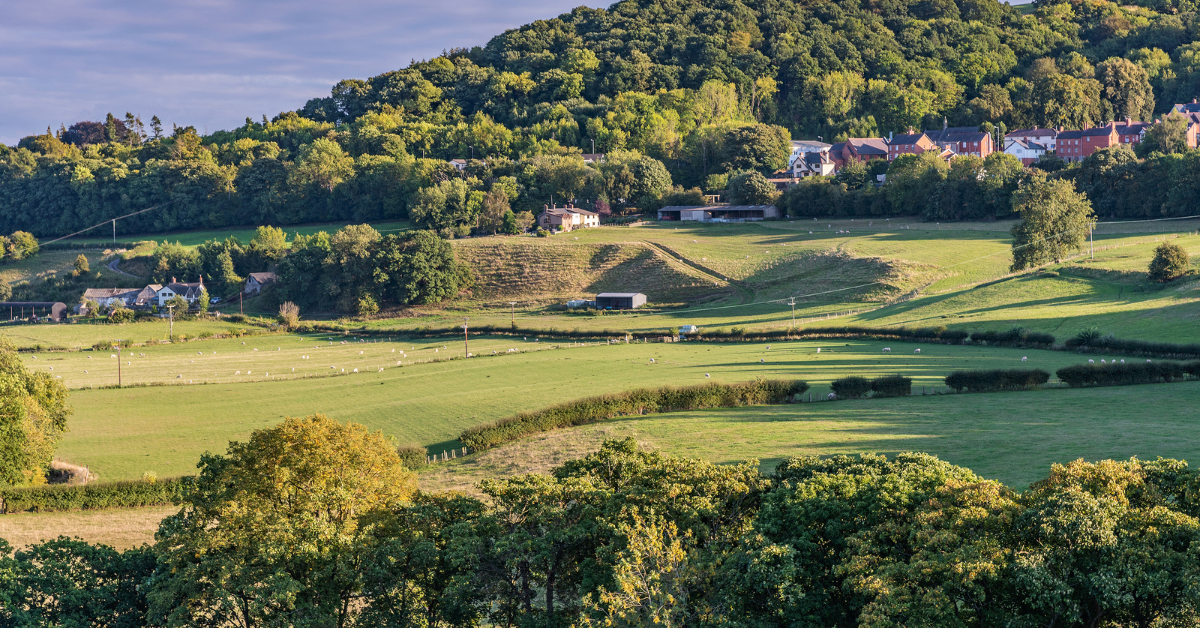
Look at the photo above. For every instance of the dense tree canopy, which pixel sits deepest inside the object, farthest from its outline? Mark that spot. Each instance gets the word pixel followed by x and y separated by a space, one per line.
pixel 686 90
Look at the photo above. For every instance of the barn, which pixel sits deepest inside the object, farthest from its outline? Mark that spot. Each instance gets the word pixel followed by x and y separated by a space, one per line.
pixel 41 309
pixel 620 300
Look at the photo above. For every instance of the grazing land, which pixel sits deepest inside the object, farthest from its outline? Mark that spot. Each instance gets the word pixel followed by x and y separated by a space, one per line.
pixel 183 399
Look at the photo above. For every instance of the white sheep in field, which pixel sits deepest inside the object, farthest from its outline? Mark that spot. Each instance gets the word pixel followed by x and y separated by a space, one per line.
pixel 237 373
pixel 111 355
pixel 707 375
pixel 831 396
pixel 355 370
pixel 1091 361
pixel 52 368
pixel 1122 361
pixel 381 369
pixel 887 349
pixel 1024 358
pixel 178 377
pixel 818 349
pixel 917 351
pixel 1102 361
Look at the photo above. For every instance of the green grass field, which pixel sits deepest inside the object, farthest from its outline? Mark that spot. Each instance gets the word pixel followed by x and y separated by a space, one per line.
pixel 1013 437
pixel 123 433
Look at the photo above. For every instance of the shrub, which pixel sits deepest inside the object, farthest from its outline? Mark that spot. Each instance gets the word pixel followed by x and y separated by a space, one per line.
pixel 413 456
pixel 1017 336
pixel 103 345
pixel 121 315
pixel 1085 375
pixel 65 497
pixel 289 314
pixel 640 401
pixel 1092 339
pixel 891 386
pixel 989 381
pixel 1170 262
pixel 851 387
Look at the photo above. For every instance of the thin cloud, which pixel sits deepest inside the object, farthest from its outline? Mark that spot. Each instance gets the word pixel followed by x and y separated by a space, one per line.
pixel 211 63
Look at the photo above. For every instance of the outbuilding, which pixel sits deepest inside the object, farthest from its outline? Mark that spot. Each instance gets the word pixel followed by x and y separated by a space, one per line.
pixel 54 311
pixel 620 300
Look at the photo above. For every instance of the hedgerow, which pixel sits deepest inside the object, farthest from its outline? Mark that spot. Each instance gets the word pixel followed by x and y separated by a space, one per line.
pixel 1113 374
pixel 891 386
pixel 413 456
pixel 640 401
pixel 1091 339
pixel 990 381
pixel 1016 336
pixel 66 497
pixel 851 387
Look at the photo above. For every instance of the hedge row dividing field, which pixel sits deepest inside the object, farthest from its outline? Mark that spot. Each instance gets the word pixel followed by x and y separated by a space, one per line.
pixel 96 496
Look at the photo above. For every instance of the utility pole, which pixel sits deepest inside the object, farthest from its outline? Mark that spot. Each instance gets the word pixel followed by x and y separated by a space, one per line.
pixel 466 344
pixel 792 302
pixel 1092 241
pixel 240 293
pixel 114 231
pixel 118 364
pixel 514 313
pixel 171 319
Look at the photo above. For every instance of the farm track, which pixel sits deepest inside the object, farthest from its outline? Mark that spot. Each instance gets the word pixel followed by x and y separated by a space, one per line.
pixel 113 267
pixel 745 294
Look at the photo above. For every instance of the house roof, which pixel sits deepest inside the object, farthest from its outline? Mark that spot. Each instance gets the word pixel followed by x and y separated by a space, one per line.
pixel 869 145
pixel 1188 107
pixel 1133 128
pixel 957 134
pixel 1070 135
pixel 262 277
pixel 108 293
pixel 619 294
pixel 907 138
pixel 1026 144
pixel 1034 132
pixel 1100 130
pixel 810 146
pixel 566 211
pixel 185 289
pixel 593 157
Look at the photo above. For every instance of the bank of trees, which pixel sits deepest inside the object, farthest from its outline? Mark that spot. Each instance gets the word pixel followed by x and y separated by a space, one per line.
pixel 313 523
pixel 33 417
pixel 702 90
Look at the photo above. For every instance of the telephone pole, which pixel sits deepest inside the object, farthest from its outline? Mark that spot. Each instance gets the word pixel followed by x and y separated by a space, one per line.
pixel 792 302
pixel 466 343
pixel 514 313
pixel 1092 242
pixel 118 364
pixel 171 323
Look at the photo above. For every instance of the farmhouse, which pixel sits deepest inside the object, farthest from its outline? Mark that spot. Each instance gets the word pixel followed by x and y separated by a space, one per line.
pixel 257 281
pixel 189 291
pixel 108 296
pixel 620 300
pixel 567 218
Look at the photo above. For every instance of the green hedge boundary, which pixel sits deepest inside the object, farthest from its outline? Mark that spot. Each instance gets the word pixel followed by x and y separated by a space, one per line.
pixel 1089 375
pixel 69 497
pixel 996 380
pixel 634 402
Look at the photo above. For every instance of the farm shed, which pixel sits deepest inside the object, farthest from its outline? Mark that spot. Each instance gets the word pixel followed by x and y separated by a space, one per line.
pixel 42 309
pixel 620 300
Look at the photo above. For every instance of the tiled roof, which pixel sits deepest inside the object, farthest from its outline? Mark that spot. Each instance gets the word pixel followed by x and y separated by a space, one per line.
pixel 107 293
pixel 869 145
pixel 1034 132
pixel 907 138
pixel 262 277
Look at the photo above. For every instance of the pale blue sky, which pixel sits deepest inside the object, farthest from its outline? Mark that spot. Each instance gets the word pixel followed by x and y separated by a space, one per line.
pixel 211 63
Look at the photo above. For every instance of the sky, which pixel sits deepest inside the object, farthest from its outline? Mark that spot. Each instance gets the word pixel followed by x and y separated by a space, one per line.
pixel 212 63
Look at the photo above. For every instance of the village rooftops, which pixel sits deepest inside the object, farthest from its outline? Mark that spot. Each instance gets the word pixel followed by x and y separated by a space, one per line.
pixel 906 138
pixel 109 293
pixel 957 134
pixel 809 146
pixel 1034 132
pixel 869 145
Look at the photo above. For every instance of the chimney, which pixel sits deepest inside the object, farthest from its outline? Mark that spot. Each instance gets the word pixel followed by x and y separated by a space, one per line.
pixel 173 280
pixel 1193 101
pixel 202 280
pixel 1128 120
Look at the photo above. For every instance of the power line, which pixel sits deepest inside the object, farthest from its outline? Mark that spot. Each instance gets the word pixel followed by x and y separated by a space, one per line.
pixel 99 224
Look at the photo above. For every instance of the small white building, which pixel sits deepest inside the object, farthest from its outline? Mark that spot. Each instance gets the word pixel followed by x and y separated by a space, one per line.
pixel 459 164
pixel 189 291
pixel 1025 150
pixel 1048 138
pixel 802 147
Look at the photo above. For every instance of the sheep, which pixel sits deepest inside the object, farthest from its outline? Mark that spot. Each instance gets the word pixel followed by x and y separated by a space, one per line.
pixel 651 360
pixel 355 370
pixel 178 377
pixel 89 357
pixel 818 349
pixel 768 347
pixel 52 368
pixel 333 367
pixel 111 355
pixel 360 353
pixel 830 397
pixel 1024 358
pixel 761 360
pixel 887 349
pixel 85 371
pixel 917 351
pixel 707 375
pixel 1093 361
pixel 1122 361
pixel 237 373
pixel 381 369
pixel 197 353
pixel 256 349
pixel 1102 361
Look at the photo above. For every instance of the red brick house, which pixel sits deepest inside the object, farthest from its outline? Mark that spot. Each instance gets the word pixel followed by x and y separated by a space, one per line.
pixel 858 148
pixel 1130 132
pixel 963 140
pixel 1078 145
pixel 908 144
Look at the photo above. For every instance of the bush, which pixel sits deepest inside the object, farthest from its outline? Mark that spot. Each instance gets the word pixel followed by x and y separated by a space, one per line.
pixel 1170 263
pixel 66 497
pixel 1017 336
pixel 1085 375
pixel 990 381
pixel 413 456
pixel 891 386
pixel 641 401
pixel 103 345
pixel 1093 339
pixel 851 387
pixel 121 316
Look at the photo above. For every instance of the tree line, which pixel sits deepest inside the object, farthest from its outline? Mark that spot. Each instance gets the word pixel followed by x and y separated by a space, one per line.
pixel 315 523
pixel 703 90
